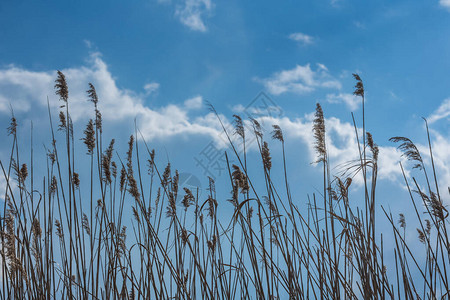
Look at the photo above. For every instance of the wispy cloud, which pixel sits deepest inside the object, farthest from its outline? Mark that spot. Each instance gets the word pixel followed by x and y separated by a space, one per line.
pixel 302 38
pixel 359 25
pixel 300 80
pixel 350 100
pixel 442 112
pixel 192 13
pixel 445 3
pixel 151 87
pixel 194 103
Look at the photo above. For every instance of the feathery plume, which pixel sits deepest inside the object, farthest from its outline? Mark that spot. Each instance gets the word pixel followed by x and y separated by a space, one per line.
pixel 76 180
pixel 123 178
pixel 372 146
pixel 256 127
pixel 36 231
pixel 171 207
pixel 130 154
pixel 175 180
pixel 106 162
pixel 98 120
pixel 92 94
pixel 402 221
pixel 188 198
pixel 121 241
pixel 319 134
pixel 133 188
pixel 212 204
pixel 437 209
pixel 51 156
pixel 184 236
pixel 59 231
pixel 85 224
pixel 359 87
pixel 277 133
pixel 239 126
pixel 166 175
pixel 62 121
pixel 158 197
pixel 422 237
pixel 61 87
pixel 114 169
pixel 136 214
pixel 409 150
pixel 53 186
pixel 428 227
pixel 89 137
pixel 23 172
pixel 12 128
pixel 240 179
pixel 151 163
pixel 267 160
pixel 212 243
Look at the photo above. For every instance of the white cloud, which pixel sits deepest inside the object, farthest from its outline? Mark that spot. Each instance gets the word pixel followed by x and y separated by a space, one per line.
pixel 194 103
pixel 192 12
pixel 301 38
pixel 18 85
pixel 445 3
pixel 388 160
pixel 442 112
pixel 239 108
pixel 116 104
pixel 151 87
pixel 359 25
pixel 350 100
pixel 299 80
pixel 17 104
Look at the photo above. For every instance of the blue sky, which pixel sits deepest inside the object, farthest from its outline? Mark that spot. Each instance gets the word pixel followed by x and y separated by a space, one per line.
pixel 161 61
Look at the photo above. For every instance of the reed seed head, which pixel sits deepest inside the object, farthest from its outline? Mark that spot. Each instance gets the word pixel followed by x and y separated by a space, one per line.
pixel 85 224
pixel 61 87
pixel 62 121
pixel 76 180
pixel 319 134
pixel 402 221
pixel 166 176
pixel 188 198
pixel 267 160
pixel 89 137
pixel 359 87
pixel 12 128
pixel 409 150
pixel 239 126
pixel 277 133
pixel 92 94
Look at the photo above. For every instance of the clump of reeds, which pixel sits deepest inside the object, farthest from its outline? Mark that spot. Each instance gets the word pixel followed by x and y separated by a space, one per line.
pixel 121 233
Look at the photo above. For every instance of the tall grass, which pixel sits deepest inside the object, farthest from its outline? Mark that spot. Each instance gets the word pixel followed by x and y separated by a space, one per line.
pixel 63 236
